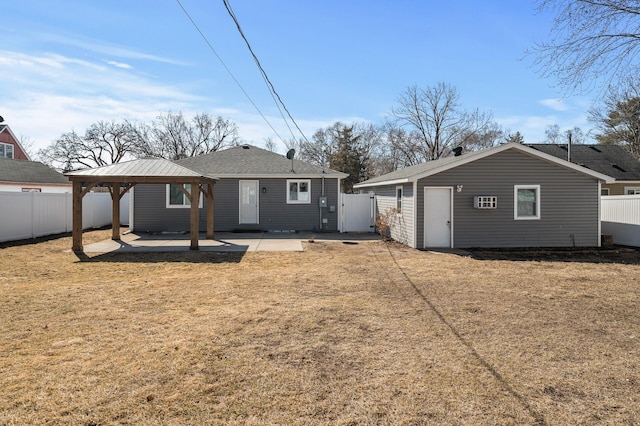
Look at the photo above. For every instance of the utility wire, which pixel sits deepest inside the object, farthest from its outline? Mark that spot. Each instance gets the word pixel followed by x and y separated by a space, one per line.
pixel 264 75
pixel 228 70
pixel 270 87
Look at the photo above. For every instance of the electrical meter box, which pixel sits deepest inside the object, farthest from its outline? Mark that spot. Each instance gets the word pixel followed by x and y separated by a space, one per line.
pixel 323 201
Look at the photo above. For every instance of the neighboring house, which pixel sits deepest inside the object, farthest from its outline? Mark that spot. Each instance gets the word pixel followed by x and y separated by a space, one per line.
pixel 31 176
pixel 257 190
pixel 611 160
pixel 507 196
pixel 10 146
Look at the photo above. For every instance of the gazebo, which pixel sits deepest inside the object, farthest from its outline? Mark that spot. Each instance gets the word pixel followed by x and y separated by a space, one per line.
pixel 121 177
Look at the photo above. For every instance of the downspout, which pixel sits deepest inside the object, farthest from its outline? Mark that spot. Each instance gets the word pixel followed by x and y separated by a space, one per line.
pixel 322 191
pixel 415 214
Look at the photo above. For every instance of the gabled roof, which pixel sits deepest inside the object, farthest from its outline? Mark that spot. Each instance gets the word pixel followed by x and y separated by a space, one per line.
pixel 612 160
pixel 146 168
pixel 7 129
pixel 24 171
pixel 251 161
pixel 419 171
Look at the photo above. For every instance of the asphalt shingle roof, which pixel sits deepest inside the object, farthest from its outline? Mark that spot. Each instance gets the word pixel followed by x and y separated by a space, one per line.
pixel 419 169
pixel 249 160
pixel 611 160
pixel 437 166
pixel 29 172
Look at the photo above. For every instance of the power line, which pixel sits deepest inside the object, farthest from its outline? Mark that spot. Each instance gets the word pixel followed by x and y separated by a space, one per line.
pixel 228 70
pixel 270 86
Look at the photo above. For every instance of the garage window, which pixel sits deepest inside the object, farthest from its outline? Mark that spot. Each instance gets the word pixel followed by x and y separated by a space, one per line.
pixel 526 204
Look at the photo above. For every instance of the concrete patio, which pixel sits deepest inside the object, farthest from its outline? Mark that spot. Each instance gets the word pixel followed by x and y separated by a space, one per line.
pixel 223 241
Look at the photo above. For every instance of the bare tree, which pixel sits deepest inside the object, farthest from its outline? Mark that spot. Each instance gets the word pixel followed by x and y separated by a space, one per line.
pixel 435 123
pixel 400 150
pixel 27 145
pixel 102 144
pixel 270 144
pixel 576 135
pixel 618 117
pixel 590 38
pixel 173 137
pixel 552 134
pixel 489 135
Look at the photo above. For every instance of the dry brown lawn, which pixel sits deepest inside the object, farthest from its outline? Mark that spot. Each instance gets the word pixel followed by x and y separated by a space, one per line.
pixel 362 334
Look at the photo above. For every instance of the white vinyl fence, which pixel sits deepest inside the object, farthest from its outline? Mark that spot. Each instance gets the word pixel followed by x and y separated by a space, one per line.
pixel 35 214
pixel 358 212
pixel 620 218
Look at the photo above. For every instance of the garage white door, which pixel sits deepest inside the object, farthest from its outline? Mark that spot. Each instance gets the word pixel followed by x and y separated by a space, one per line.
pixel 437 217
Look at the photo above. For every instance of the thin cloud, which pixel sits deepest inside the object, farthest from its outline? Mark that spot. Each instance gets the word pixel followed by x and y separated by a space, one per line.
pixel 55 94
pixel 97 46
pixel 120 65
pixel 555 104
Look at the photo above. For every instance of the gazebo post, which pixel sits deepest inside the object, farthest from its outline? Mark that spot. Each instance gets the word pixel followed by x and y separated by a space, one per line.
pixel 195 214
pixel 77 215
pixel 115 210
pixel 209 211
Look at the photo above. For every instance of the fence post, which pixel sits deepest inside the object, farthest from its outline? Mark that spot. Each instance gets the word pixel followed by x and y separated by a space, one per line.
pixel 33 214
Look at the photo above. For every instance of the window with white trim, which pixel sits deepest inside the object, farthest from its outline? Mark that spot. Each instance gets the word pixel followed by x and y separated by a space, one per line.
pixel 399 199
pixel 298 191
pixel 176 199
pixel 604 191
pixel 631 190
pixel 526 204
pixel 6 150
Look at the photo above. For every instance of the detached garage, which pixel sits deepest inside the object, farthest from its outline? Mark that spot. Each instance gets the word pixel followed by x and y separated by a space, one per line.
pixel 507 196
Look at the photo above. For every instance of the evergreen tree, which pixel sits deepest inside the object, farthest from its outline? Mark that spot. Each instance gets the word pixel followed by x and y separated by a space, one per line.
pixel 346 155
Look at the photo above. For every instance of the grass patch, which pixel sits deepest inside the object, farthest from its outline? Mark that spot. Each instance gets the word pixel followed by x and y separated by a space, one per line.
pixel 374 333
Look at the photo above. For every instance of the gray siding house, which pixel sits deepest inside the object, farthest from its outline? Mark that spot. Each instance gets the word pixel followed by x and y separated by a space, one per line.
pixel 507 196
pixel 257 190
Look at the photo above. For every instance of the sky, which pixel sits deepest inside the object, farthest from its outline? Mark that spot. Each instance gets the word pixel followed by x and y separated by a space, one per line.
pixel 66 64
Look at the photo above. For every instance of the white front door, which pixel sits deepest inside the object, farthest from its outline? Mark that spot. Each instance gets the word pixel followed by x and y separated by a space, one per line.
pixel 249 201
pixel 437 217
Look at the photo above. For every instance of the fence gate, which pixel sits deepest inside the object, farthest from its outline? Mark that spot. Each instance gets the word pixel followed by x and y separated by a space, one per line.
pixel 358 212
